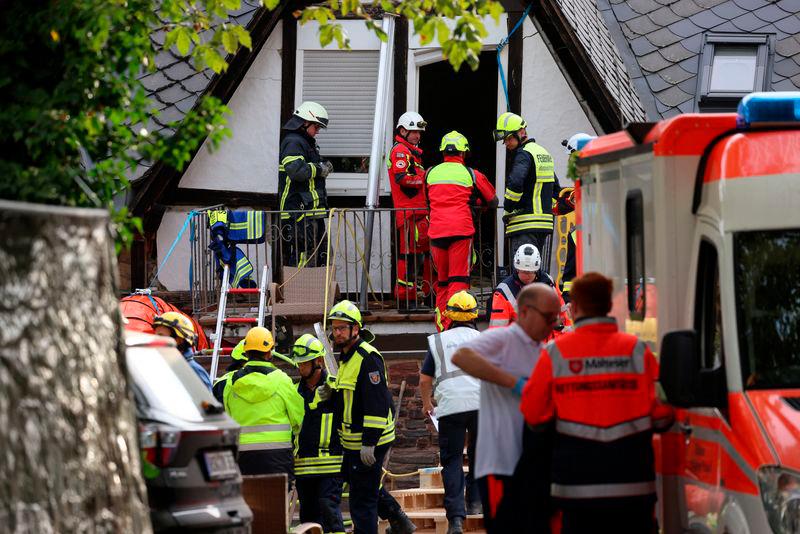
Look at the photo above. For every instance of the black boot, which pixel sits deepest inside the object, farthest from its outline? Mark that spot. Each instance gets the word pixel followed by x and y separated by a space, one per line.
pixel 456 525
pixel 400 523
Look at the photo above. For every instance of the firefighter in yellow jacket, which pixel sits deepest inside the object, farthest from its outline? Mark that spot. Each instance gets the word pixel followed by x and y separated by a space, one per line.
pixel 364 403
pixel 264 400
pixel 318 455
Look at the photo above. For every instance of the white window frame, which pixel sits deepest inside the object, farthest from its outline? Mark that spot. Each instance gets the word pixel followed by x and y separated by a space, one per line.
pixel 361 38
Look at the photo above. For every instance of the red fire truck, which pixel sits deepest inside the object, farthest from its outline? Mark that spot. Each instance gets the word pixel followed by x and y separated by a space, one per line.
pixel 697 220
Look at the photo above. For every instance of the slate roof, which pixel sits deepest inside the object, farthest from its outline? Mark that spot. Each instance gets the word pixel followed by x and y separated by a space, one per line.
pixel 175 85
pixel 661 41
pixel 591 30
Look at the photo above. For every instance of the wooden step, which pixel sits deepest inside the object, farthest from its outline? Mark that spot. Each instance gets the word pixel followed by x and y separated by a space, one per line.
pixel 435 520
pixel 419 498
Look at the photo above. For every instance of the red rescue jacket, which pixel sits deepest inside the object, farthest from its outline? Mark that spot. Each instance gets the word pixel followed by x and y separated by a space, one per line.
pixel 598 386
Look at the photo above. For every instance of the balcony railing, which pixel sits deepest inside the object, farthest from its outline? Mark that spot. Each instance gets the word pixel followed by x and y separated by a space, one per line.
pixel 331 256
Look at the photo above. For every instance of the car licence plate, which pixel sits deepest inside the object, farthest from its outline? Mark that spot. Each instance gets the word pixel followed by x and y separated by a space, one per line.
pixel 221 465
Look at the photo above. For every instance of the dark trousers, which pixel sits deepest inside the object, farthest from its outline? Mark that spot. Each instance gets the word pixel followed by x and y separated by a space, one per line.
pixel 453 431
pixel 320 499
pixel 607 516
pixel 367 498
pixel 301 241
pixel 537 239
pixel 267 462
pixel 521 503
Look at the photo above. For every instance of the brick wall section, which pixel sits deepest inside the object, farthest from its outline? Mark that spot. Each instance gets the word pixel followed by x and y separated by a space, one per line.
pixel 416 444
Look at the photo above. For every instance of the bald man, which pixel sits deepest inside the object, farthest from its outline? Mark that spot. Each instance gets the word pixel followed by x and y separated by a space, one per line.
pixel 503 359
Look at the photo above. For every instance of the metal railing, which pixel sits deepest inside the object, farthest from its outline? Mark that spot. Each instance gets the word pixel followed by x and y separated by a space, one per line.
pixel 335 243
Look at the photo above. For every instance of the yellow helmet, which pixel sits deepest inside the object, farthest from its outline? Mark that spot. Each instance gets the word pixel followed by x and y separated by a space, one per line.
pixel 462 307
pixel 259 339
pixel 177 322
pixel 454 142
pixel 346 311
pixel 508 124
pixel 307 348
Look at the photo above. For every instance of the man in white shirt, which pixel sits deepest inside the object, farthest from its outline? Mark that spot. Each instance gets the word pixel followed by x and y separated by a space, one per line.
pixel 458 398
pixel 503 359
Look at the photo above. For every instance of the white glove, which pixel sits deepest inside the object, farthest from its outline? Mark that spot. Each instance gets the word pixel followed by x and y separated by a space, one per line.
pixel 325 392
pixel 325 168
pixel 368 455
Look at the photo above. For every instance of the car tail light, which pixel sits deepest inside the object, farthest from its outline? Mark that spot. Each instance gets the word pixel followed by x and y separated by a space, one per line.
pixel 159 443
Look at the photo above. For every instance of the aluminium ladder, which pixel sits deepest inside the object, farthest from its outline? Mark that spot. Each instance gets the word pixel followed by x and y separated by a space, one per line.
pixel 223 320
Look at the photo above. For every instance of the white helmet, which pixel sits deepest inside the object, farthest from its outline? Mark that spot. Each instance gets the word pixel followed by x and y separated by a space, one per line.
pixel 411 120
pixel 312 112
pixel 527 259
pixel 576 142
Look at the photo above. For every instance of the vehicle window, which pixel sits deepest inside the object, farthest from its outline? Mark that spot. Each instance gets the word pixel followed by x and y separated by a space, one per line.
pixel 634 236
pixel 767 275
pixel 708 308
pixel 164 381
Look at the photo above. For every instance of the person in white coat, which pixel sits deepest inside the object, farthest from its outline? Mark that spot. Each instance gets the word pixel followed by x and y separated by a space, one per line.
pixel 457 398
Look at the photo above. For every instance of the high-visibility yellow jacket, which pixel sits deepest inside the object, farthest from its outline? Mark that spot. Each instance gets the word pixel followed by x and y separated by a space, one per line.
pixel 263 399
pixel 318 450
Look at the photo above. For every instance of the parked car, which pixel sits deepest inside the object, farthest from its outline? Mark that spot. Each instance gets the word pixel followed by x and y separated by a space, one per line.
pixel 188 443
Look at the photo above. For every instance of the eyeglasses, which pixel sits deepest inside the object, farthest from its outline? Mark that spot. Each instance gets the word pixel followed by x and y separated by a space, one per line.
pixel 343 328
pixel 550 318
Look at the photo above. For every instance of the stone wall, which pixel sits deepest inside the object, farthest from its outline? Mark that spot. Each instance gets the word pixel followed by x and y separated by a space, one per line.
pixel 416 444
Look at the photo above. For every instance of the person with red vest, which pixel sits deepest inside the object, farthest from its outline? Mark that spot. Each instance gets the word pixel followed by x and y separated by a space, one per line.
pixel 596 386
pixel 407 177
pixel 453 190
pixel 527 269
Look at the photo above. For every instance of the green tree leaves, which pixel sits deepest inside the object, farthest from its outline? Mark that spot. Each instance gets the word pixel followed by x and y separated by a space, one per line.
pixel 69 84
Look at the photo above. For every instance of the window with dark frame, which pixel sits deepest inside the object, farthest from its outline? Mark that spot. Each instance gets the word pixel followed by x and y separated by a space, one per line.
pixel 634 238
pixel 708 308
pixel 731 66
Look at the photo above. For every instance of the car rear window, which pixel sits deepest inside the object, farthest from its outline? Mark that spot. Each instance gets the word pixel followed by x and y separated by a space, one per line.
pixel 164 381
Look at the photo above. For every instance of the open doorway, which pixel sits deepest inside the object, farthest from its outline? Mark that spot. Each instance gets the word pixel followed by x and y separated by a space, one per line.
pixel 465 101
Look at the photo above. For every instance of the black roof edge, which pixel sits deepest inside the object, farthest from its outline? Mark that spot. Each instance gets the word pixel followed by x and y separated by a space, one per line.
pixel 637 131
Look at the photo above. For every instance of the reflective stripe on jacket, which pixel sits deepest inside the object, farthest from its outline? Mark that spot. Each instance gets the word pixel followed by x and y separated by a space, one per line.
pixel 455 391
pixel 363 401
pixel 529 190
pixel 318 451
pixel 263 399
pixel 598 385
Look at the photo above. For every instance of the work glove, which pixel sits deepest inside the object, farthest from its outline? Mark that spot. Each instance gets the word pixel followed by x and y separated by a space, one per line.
pixel 519 386
pixel 325 168
pixel 324 392
pixel 368 455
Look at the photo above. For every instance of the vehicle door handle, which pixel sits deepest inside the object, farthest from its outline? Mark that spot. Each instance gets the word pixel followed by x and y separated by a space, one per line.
pixel 685 428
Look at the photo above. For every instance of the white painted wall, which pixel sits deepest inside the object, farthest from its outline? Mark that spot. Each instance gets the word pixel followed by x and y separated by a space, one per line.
pixel 175 273
pixel 548 103
pixel 249 160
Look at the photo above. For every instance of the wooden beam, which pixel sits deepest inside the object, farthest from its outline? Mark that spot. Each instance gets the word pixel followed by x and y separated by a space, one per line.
pixel 232 199
pixel 400 68
pixel 288 66
pixel 514 77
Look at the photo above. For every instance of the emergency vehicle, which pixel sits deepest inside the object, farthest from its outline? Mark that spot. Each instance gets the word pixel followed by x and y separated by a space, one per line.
pixel 697 220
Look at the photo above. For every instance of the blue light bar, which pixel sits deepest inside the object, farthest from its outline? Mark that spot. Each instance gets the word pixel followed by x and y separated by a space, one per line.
pixel 583 141
pixel 768 109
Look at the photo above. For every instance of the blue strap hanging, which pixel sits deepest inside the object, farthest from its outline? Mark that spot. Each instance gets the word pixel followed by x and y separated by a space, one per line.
pixel 174 244
pixel 500 47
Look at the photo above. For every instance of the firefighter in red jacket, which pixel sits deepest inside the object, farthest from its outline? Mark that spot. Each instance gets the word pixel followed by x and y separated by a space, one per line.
pixel 597 385
pixel 407 177
pixel 527 269
pixel 453 190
